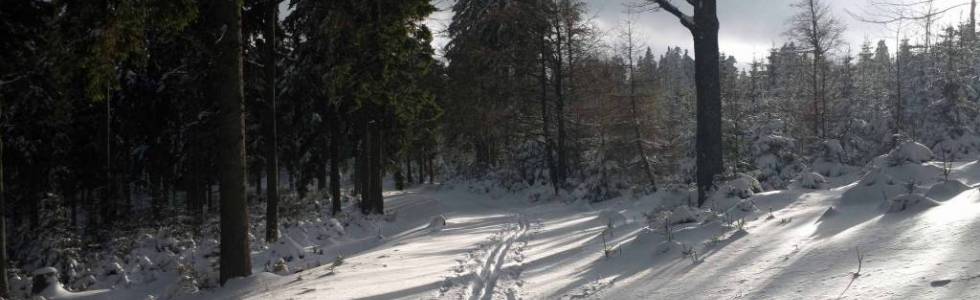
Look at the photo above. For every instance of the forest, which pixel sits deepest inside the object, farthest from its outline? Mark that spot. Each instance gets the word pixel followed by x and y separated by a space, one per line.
pixel 287 149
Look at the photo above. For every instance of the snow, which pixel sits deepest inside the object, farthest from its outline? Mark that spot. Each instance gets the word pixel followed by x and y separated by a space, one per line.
pixel 472 240
pixel 946 190
pixel 909 152
pixel 811 180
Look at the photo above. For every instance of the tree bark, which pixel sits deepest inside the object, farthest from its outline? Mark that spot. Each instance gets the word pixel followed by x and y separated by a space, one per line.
pixel 546 118
pixel 335 140
pixel 558 75
pixel 709 140
pixel 377 169
pixel 272 133
pixel 704 29
pixel 4 286
pixel 972 28
pixel 235 259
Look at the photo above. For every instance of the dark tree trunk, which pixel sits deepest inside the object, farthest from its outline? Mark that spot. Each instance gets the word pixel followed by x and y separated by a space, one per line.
pixel 557 73
pixel 257 177
pixel 335 140
pixel 364 162
pixel 408 169
pixel 321 173
pixel 4 286
pixel 709 140
pixel 421 163
pixel 546 118
pixel 704 29
pixel 376 169
pixel 272 132
pixel 235 259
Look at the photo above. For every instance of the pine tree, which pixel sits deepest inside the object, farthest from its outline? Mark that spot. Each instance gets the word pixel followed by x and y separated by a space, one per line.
pixel 235 258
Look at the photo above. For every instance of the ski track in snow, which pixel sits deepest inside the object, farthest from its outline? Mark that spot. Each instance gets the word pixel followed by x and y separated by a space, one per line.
pixel 494 270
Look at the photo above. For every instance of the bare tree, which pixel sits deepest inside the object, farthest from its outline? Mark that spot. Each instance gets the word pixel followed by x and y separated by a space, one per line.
pixel 816 27
pixel 629 46
pixel 703 25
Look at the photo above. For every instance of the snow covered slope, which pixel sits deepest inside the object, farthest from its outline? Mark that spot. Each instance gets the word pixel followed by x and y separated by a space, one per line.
pixel 792 244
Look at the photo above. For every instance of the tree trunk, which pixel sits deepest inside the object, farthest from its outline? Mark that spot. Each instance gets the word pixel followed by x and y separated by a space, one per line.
pixel 408 169
pixel 235 259
pixel 709 140
pixel 272 133
pixel 4 286
pixel 546 119
pixel 559 106
pixel 335 140
pixel 377 169
pixel 971 32
pixel 364 168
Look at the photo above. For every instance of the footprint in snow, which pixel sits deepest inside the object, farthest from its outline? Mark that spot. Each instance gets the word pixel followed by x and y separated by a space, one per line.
pixel 940 283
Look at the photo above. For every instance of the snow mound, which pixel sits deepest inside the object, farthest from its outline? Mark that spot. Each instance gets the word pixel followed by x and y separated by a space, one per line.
pixel 909 153
pixel 287 248
pixel 946 190
pixel 437 223
pixel 876 186
pixel 813 181
pixel 909 202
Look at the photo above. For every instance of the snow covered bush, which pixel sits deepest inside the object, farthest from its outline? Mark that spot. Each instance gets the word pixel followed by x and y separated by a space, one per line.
pixel 774 155
pixel 958 144
pixel 909 153
pixel 908 202
pixel 743 186
pixel 830 160
pixel 811 180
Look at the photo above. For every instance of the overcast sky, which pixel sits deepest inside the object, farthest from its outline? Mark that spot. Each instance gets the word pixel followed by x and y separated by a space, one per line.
pixel 749 28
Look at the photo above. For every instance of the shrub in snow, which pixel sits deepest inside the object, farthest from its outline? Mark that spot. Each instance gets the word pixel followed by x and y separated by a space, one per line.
pixel 829 159
pixel 960 143
pixel 684 214
pixel 437 223
pixel 908 202
pixel 813 181
pixel 743 186
pixel 774 156
pixel 280 267
pixel 909 152
pixel 946 190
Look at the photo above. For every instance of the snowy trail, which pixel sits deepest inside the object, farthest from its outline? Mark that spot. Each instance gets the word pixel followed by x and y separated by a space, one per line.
pixel 483 286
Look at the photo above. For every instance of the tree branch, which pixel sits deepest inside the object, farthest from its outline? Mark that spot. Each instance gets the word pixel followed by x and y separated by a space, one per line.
pixel 686 20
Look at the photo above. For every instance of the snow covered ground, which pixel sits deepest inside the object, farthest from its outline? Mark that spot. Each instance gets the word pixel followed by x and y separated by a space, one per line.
pixel 497 245
pixel 470 240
